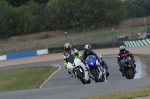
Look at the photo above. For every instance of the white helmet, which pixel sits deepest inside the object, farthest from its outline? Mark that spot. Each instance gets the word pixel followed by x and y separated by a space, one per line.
pixel 67 47
pixel 87 47
pixel 122 48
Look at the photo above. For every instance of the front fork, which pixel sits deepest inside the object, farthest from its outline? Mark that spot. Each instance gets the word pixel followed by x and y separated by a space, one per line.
pixel 102 73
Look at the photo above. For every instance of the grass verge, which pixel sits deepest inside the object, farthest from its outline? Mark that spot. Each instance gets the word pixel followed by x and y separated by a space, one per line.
pixel 124 95
pixel 24 78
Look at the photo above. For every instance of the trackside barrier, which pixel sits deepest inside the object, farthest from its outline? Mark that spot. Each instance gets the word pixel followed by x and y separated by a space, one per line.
pixel 57 50
pixel 94 46
pixel 136 43
pixel 23 54
pixel 20 55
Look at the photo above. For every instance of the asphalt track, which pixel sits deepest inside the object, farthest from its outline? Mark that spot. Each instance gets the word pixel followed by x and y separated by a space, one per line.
pixel 62 86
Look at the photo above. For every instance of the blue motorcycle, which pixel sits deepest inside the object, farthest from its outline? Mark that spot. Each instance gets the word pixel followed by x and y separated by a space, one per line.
pixel 97 72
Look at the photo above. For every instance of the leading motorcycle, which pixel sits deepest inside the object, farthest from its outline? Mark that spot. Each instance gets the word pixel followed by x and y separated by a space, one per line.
pixel 77 67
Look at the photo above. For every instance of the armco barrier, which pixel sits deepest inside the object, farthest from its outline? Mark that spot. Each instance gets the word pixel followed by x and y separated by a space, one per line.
pixel 20 55
pixel 23 54
pixel 81 47
pixel 58 49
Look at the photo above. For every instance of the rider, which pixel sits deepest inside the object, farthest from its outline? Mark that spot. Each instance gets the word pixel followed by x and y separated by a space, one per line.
pixel 123 52
pixel 68 50
pixel 88 51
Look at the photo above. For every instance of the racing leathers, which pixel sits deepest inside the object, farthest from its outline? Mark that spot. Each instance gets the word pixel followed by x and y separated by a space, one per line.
pixel 86 54
pixel 102 63
pixel 73 52
pixel 121 55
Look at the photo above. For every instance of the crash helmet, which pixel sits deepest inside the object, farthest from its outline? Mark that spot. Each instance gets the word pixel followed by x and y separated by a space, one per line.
pixel 87 47
pixel 122 48
pixel 67 47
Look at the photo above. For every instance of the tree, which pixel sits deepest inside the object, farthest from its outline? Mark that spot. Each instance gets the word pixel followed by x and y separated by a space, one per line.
pixel 67 14
pixel 26 21
pixel 137 8
pixel 7 20
pixel 17 3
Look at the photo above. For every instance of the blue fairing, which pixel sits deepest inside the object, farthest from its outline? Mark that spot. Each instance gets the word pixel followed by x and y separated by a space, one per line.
pixel 126 60
pixel 91 61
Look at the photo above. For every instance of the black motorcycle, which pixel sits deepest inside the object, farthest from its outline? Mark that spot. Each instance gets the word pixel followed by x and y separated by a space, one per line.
pixel 128 67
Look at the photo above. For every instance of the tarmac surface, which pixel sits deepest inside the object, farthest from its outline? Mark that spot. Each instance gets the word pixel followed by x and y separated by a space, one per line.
pixel 62 86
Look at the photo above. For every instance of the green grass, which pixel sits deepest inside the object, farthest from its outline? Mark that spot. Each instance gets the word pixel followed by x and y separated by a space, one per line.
pixel 24 78
pixel 124 95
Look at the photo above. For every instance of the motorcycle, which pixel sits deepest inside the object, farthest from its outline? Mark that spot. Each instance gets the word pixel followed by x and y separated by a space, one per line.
pixel 97 72
pixel 128 67
pixel 77 67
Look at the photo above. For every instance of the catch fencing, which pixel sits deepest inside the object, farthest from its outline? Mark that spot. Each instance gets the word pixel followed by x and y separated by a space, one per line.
pixel 130 28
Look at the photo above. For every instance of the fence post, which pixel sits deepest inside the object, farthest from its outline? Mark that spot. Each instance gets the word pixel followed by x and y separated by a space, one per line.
pixel 112 30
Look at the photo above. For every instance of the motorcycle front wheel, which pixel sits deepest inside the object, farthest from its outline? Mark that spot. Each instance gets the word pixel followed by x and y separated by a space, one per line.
pixel 80 76
pixel 129 74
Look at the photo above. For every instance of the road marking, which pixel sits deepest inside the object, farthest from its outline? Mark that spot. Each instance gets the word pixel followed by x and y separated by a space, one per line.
pixel 51 75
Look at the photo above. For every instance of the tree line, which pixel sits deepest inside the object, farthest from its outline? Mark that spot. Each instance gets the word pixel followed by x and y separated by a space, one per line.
pixel 20 17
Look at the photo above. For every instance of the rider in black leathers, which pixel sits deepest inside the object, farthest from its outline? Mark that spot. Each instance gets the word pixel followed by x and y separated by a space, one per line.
pixel 88 51
pixel 121 54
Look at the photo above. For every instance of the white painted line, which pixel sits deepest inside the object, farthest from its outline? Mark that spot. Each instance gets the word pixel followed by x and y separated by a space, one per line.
pixel 138 69
pixel 51 75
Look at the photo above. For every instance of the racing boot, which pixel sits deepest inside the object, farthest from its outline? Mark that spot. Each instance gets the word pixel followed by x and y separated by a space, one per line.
pixel 106 67
pixel 121 70
pixel 69 72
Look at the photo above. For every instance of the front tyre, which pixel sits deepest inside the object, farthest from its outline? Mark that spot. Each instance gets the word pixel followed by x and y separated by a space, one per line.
pixel 95 74
pixel 129 74
pixel 80 76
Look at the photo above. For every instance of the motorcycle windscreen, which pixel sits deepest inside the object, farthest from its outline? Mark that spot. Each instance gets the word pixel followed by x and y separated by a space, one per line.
pixel 91 60
pixel 71 59
pixel 127 61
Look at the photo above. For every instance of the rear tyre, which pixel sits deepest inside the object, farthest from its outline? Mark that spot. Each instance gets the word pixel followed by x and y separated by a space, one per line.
pixel 80 76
